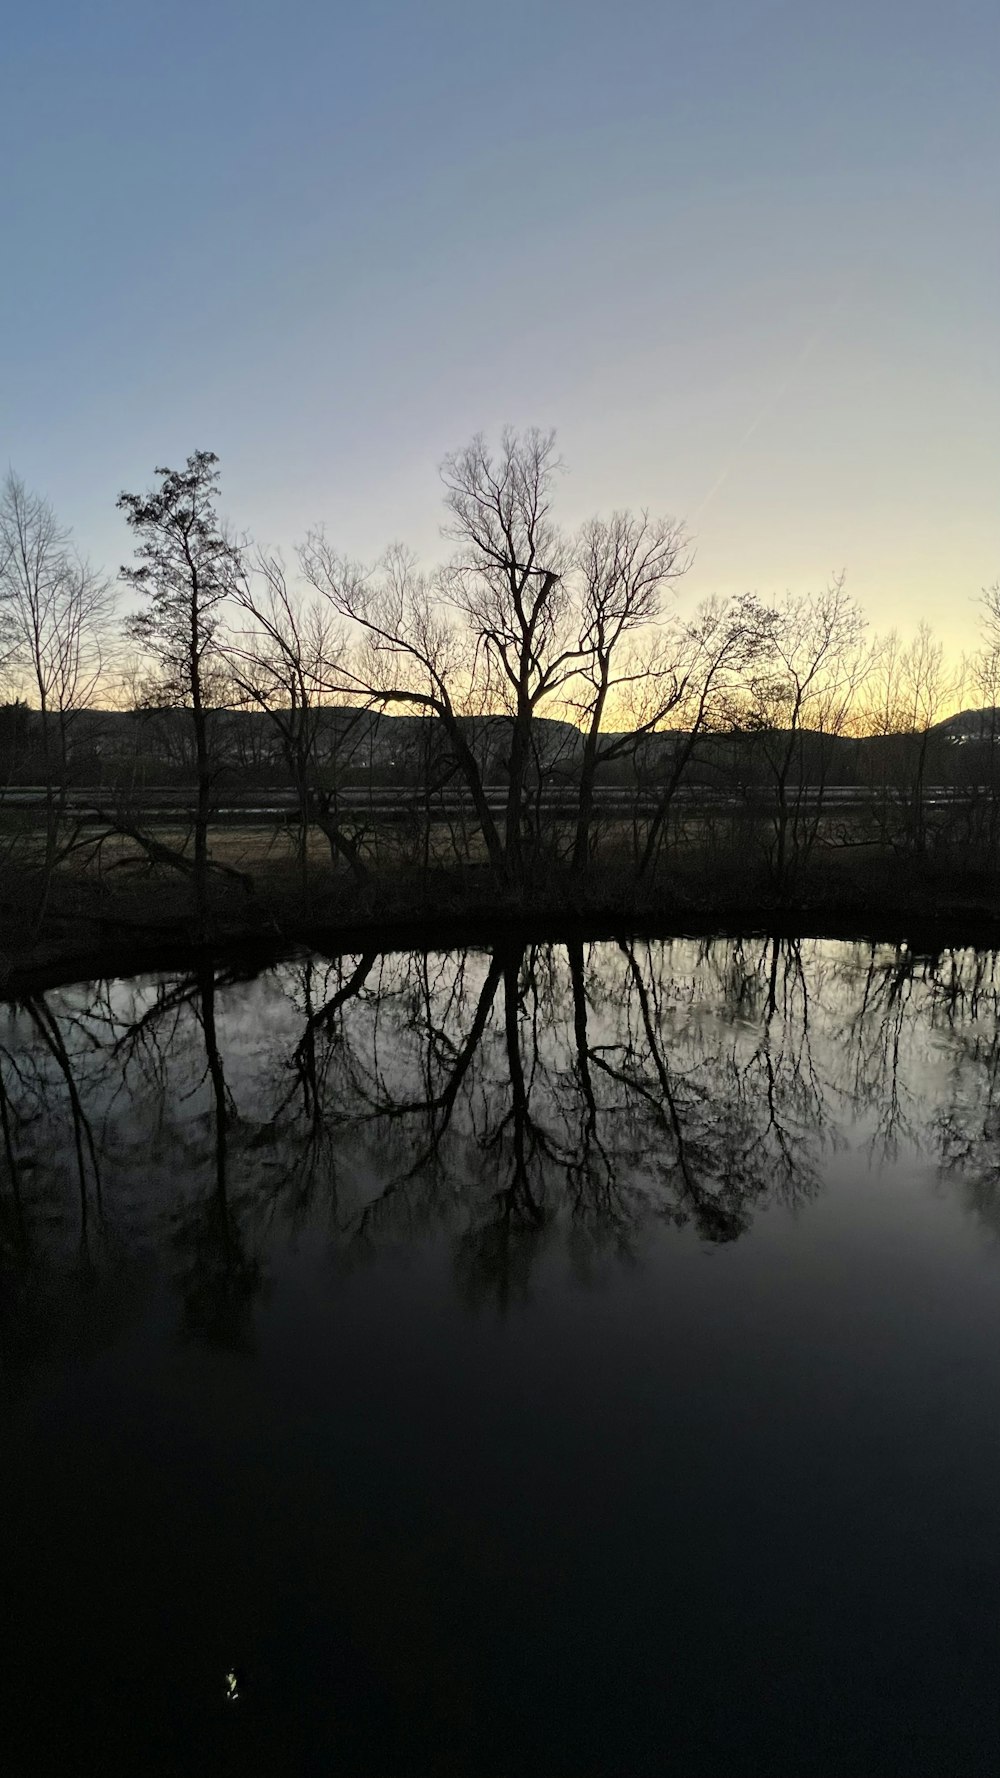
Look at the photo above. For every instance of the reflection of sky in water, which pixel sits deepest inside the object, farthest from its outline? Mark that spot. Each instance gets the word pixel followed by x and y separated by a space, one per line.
pixel 573 1362
pixel 685 1079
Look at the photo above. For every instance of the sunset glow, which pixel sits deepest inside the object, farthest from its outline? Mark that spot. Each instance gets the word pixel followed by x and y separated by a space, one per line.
pixel 742 255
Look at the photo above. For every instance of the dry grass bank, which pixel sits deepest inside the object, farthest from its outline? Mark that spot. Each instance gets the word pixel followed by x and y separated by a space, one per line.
pixel 121 912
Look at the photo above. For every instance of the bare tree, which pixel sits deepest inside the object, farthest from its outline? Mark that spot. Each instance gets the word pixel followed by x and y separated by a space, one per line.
pixel 55 633
pixel 989 601
pixel 625 564
pixel 908 692
pixel 508 582
pixel 278 665
pixel 805 691
pixel 709 658
pixel 984 671
pixel 410 653
pixel 985 665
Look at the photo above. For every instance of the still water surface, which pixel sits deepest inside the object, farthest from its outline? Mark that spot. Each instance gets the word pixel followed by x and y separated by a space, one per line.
pixel 568 1360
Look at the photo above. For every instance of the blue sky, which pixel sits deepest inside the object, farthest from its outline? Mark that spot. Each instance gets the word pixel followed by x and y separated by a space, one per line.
pixel 745 257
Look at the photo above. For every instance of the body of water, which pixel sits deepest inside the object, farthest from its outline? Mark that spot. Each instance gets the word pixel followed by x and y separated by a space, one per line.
pixel 563 1360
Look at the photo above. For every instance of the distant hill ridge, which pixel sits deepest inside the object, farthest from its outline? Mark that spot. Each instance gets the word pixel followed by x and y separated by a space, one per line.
pixel 971 725
pixel 389 740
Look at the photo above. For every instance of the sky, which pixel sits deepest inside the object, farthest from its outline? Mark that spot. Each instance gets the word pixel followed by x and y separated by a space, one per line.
pixel 744 255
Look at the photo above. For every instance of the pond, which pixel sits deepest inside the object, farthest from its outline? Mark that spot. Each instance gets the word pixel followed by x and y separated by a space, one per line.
pixel 565 1359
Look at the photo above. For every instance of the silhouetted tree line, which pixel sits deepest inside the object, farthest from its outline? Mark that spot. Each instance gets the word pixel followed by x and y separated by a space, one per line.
pixel 532 665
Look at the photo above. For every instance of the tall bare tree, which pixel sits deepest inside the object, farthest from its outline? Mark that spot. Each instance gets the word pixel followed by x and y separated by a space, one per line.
pixel 411 653
pixel 508 582
pixel 706 660
pixel 186 567
pixel 280 663
pixel 910 690
pixel 55 632
pixel 804 690
pixel 984 672
pixel 625 564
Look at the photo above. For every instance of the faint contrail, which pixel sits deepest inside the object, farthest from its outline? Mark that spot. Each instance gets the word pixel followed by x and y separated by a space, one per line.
pixel 775 398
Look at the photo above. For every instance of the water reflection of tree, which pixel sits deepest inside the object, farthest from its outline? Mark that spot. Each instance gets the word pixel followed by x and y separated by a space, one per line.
pixel 32 1077
pixel 61 1287
pixel 486 1093
pixel 216 1270
pixel 60 1085
pixel 532 1097
pixel 919 1043
pixel 524 1116
pixel 966 1127
pixel 219 1277
pixel 13 1226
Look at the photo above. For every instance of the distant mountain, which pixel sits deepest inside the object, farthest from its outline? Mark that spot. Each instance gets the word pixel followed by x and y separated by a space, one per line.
pixel 366 737
pixel 397 743
pixel 971 725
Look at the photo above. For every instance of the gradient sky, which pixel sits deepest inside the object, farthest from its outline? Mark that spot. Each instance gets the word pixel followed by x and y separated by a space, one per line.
pixel 743 254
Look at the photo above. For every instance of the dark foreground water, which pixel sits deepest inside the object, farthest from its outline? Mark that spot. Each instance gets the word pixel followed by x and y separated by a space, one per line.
pixel 568 1361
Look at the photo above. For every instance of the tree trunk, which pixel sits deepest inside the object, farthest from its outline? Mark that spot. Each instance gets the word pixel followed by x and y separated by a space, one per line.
pixel 588 775
pixel 204 773
pixel 473 777
pixel 340 845
pixel 662 810
pixel 520 741
pixel 302 795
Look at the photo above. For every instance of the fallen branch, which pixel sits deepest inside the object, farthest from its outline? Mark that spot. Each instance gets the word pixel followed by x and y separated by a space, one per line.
pixel 158 853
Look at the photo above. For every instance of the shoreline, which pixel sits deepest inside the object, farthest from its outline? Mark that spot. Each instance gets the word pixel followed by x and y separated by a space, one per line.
pixel 130 947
